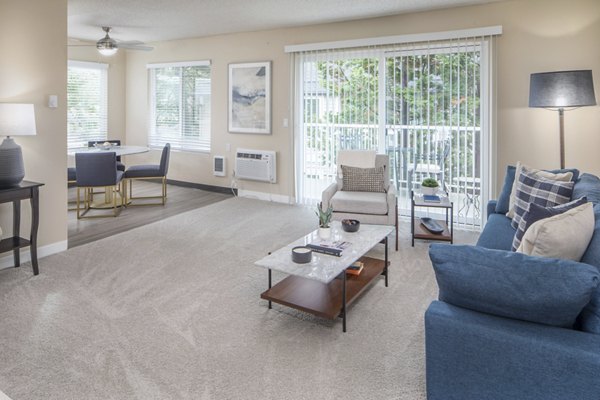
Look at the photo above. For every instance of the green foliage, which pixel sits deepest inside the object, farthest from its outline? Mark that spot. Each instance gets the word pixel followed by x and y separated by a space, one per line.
pixel 324 216
pixel 421 91
pixel 430 183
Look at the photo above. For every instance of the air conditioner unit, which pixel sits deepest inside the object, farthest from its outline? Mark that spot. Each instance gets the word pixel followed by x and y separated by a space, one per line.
pixel 256 165
pixel 219 166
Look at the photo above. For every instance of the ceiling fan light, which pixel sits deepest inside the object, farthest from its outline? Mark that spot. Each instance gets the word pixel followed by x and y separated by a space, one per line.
pixel 107 51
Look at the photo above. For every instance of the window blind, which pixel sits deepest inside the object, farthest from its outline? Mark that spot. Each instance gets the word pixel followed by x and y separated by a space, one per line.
pixel 424 104
pixel 180 105
pixel 87 103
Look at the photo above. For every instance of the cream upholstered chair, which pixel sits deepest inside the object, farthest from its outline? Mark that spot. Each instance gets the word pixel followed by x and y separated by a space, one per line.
pixel 367 207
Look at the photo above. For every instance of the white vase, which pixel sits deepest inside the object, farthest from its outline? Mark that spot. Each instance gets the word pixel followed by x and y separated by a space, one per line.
pixel 429 191
pixel 325 233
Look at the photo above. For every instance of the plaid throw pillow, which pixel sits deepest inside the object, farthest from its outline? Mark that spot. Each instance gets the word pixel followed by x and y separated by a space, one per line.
pixel 536 213
pixel 541 191
pixel 362 179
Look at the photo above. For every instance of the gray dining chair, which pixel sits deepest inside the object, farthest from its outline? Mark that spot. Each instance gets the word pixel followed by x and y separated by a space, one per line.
pixel 95 170
pixel 149 172
pixel 114 142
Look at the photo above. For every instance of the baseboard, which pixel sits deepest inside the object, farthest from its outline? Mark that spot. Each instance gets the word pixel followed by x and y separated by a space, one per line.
pixel 277 198
pixel 58 247
pixel 201 186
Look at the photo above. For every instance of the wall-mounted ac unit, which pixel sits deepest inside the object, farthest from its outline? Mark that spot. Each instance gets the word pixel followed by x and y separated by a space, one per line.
pixel 256 165
pixel 219 166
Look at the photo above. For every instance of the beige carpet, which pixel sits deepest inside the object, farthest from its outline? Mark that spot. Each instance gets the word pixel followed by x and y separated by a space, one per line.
pixel 172 311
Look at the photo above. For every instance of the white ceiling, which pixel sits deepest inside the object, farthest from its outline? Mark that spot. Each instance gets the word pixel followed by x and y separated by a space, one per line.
pixel 155 20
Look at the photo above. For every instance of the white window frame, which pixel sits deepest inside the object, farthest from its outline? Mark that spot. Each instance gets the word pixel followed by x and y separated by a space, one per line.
pixel 103 99
pixel 183 145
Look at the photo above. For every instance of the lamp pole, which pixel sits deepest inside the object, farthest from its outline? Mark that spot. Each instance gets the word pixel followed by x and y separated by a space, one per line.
pixel 561 122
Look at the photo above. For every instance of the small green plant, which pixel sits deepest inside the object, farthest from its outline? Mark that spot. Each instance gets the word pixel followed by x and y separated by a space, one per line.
pixel 324 216
pixel 430 183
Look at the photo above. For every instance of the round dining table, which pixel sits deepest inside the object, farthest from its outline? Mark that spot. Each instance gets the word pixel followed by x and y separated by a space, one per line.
pixel 120 151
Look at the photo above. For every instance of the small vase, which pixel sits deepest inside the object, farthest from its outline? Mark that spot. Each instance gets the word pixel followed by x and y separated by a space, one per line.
pixel 324 233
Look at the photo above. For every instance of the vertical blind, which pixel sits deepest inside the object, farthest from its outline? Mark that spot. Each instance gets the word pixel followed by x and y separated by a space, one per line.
pixel 180 105
pixel 425 104
pixel 87 103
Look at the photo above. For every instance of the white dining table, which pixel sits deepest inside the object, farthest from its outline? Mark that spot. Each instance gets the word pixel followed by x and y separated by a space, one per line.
pixel 119 150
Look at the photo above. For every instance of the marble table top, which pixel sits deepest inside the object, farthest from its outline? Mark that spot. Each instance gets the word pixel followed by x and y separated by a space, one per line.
pixel 323 267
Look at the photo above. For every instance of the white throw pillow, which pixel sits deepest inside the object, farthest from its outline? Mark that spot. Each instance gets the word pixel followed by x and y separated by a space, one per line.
pixel 564 236
pixel 563 177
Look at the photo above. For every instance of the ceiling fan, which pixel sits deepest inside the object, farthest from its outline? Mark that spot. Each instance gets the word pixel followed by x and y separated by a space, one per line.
pixel 108 46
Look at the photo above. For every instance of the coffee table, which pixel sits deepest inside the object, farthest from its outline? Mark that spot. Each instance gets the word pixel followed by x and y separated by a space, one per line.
pixel 321 287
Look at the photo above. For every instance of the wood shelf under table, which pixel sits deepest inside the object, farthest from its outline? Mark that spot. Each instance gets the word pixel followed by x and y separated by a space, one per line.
pixel 422 233
pixel 323 299
pixel 12 243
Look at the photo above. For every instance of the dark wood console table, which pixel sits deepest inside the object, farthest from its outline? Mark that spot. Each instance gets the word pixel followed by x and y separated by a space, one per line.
pixel 14 194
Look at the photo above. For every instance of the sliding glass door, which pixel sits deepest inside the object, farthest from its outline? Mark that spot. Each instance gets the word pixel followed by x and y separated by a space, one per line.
pixel 423 105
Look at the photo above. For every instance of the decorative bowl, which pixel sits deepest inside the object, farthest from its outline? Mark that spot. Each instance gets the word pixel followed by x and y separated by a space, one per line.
pixel 350 225
pixel 104 146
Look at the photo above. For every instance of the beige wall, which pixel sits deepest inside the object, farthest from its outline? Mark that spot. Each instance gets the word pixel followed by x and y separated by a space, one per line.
pixel 539 35
pixel 33 65
pixel 116 86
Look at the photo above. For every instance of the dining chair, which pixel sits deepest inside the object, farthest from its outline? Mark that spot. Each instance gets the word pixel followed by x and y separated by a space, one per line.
pixel 150 172
pixel 95 170
pixel 114 142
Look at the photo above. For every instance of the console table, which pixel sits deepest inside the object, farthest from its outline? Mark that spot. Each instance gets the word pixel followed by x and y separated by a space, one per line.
pixel 14 194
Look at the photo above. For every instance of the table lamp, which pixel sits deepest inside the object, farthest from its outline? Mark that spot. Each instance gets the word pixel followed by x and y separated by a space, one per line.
pixel 561 90
pixel 15 120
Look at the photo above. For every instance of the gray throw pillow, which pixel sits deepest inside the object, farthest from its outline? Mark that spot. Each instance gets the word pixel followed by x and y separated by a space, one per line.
pixel 362 179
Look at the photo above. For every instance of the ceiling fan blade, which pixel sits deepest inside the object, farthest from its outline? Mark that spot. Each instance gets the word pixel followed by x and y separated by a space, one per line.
pixel 130 43
pixel 80 45
pixel 135 47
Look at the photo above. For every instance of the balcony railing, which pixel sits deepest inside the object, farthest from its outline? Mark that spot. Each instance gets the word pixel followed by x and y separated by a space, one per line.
pixel 448 153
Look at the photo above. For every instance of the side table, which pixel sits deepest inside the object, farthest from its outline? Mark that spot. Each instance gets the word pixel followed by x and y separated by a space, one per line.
pixel 418 231
pixel 14 194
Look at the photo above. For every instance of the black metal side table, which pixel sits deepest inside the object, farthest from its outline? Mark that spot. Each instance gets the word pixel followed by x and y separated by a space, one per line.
pixel 418 231
pixel 25 190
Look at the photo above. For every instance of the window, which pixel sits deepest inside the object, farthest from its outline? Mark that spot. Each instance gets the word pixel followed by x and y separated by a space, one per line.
pixel 180 105
pixel 87 87
pixel 425 104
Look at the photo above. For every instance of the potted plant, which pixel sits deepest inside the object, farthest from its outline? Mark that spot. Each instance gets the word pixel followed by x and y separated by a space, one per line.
pixel 324 221
pixel 429 186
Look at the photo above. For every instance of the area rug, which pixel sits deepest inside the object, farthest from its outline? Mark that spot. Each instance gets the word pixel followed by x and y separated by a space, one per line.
pixel 171 310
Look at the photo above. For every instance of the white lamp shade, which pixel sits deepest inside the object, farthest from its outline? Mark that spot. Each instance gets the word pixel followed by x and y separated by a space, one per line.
pixel 17 120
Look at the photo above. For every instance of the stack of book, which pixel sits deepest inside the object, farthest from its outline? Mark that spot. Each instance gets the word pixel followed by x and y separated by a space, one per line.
pixel 356 268
pixel 431 198
pixel 327 247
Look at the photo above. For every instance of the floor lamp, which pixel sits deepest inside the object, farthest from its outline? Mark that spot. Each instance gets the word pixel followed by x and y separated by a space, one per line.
pixel 559 91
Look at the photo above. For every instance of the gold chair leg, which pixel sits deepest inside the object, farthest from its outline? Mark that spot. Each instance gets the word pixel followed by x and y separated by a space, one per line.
pixel 77 202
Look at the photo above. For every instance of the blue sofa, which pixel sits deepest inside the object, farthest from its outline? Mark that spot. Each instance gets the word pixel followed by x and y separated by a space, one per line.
pixel 481 344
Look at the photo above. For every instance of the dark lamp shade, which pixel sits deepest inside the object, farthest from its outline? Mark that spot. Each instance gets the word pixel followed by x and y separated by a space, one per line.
pixel 562 89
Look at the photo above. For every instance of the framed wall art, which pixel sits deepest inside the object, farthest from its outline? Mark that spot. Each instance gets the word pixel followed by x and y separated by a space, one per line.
pixel 250 98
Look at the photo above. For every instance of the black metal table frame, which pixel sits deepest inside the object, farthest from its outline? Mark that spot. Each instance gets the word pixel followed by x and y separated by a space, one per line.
pixel 449 221
pixel 343 277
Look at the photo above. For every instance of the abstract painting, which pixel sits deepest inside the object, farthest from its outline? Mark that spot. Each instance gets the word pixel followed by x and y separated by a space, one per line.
pixel 250 98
